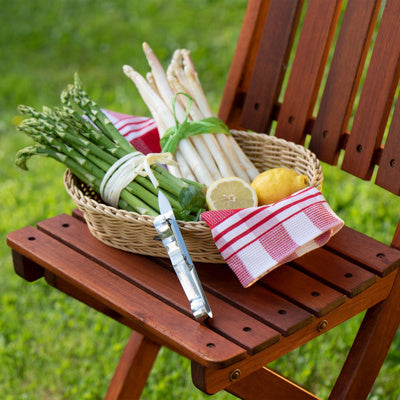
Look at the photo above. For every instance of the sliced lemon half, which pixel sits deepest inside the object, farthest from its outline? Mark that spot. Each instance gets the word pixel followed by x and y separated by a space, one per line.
pixel 228 193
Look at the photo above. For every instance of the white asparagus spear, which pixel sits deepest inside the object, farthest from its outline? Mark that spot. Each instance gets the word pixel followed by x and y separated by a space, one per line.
pixel 146 94
pixel 152 82
pixel 239 161
pixel 167 94
pixel 227 157
pixel 164 115
pixel 214 147
pixel 157 107
pixel 183 165
pixel 206 143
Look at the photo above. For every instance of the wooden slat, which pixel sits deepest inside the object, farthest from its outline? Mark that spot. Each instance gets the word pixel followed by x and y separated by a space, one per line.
pixel 344 75
pixel 336 272
pixel 242 63
pixel 237 326
pixel 148 314
pixel 211 381
pixel 307 70
pixel 388 175
pixel 366 251
pixel 376 96
pixel 303 290
pixel 270 66
pixel 264 305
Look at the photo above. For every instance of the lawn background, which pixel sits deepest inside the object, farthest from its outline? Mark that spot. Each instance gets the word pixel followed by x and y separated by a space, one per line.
pixel 53 347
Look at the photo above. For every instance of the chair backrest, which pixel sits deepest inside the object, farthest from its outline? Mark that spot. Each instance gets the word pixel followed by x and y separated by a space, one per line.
pixel 323 73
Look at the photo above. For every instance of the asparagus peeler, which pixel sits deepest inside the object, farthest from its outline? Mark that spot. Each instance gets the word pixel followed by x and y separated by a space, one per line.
pixel 171 237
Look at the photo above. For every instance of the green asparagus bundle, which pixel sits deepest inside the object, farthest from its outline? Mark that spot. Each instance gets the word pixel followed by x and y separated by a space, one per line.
pixel 79 135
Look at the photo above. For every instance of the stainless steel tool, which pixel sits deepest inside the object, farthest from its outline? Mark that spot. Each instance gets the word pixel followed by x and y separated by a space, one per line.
pixel 168 231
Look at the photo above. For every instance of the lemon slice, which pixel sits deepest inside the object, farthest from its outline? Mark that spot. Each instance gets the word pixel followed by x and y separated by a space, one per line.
pixel 233 192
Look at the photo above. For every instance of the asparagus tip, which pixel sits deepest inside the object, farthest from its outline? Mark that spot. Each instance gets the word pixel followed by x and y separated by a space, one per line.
pixel 128 71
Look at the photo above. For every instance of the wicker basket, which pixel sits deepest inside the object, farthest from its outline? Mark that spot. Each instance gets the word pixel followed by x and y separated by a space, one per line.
pixel 135 233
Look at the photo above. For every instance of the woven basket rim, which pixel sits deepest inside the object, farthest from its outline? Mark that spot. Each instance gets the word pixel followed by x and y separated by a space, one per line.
pixel 105 220
pixel 77 194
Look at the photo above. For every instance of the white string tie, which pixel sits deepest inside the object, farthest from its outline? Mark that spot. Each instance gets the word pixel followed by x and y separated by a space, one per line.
pixel 126 169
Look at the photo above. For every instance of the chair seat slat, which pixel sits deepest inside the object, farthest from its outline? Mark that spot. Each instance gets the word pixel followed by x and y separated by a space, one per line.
pixel 376 97
pixel 371 254
pixel 145 311
pixel 303 290
pixel 344 75
pixel 138 270
pixel 341 274
pixel 256 300
pixel 305 77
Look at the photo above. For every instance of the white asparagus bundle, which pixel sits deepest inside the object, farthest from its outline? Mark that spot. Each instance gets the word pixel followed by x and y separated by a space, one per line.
pixel 205 157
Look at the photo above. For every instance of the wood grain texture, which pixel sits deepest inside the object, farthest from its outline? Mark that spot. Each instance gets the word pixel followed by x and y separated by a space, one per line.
pixel 155 318
pixel 271 64
pixel 376 97
pixel 388 175
pixel 343 79
pixel 242 63
pixel 305 77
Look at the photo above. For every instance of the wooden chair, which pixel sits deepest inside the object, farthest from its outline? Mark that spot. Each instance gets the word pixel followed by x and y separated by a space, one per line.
pixel 297 302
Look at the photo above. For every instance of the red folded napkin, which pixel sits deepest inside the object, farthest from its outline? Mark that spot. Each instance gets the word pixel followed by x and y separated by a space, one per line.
pixel 254 241
pixel 141 132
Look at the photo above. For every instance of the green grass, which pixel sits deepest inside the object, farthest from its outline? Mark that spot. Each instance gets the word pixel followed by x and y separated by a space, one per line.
pixel 52 347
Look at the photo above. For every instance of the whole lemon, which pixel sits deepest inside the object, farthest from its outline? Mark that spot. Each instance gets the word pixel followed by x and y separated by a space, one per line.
pixel 277 183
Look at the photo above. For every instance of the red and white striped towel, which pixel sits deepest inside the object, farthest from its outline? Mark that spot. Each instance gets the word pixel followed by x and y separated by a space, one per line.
pixel 254 241
pixel 141 132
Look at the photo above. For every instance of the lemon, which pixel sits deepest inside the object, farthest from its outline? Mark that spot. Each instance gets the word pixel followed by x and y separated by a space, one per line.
pixel 277 183
pixel 227 193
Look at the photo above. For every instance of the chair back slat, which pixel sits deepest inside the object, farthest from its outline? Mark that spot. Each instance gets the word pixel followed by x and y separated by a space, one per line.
pixel 342 83
pixel 242 64
pixel 270 65
pixel 388 175
pixel 347 115
pixel 308 67
pixel 376 97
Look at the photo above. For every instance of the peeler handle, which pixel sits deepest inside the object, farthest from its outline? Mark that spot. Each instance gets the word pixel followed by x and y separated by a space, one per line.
pixel 185 271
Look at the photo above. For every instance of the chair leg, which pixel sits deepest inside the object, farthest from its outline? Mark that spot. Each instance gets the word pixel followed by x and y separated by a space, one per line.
pixel 133 368
pixel 370 348
pixel 265 384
